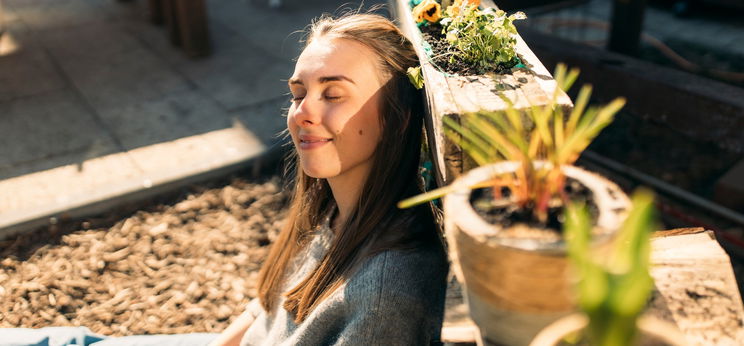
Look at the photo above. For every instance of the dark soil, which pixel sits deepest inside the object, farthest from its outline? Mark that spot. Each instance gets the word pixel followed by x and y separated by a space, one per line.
pixel 502 212
pixel 186 266
pixel 442 50
pixel 662 152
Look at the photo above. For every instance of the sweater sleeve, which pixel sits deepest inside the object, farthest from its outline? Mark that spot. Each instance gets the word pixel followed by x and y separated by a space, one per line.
pixel 397 298
pixel 254 307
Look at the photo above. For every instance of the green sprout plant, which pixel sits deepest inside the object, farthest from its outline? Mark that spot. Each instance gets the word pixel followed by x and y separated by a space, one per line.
pixel 484 39
pixel 547 134
pixel 612 289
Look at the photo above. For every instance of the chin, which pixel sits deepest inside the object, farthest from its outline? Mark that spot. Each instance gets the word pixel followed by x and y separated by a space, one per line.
pixel 319 171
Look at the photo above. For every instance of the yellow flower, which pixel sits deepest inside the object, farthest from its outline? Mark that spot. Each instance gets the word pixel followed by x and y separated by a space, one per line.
pixel 427 10
pixel 454 9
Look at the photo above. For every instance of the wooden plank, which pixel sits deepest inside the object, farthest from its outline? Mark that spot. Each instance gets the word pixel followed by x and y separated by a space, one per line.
pixel 457 326
pixel 437 92
pixel 696 289
pixel 540 75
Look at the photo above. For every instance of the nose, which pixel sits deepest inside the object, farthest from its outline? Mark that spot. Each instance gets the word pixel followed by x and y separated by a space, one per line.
pixel 307 113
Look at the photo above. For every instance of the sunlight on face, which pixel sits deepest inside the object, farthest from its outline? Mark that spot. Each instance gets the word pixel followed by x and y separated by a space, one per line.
pixel 334 119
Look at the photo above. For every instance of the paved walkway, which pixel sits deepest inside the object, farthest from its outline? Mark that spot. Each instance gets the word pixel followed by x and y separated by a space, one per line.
pixel 96 106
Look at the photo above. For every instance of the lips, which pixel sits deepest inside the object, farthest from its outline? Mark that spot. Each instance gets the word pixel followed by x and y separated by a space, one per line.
pixel 311 142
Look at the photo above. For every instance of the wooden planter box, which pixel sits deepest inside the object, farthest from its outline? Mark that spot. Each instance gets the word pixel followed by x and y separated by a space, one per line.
pixel 691 271
pixel 454 96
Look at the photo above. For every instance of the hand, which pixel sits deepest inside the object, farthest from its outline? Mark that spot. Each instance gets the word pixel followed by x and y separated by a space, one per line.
pixel 234 332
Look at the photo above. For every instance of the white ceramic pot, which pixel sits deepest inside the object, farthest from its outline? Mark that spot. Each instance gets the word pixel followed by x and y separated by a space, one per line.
pixel 515 287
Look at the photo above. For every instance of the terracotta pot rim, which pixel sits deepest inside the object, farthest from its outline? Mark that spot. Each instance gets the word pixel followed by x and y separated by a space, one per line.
pixel 611 201
pixel 647 324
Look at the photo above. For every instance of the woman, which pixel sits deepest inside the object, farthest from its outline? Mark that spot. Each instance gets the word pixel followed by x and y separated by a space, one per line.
pixel 349 267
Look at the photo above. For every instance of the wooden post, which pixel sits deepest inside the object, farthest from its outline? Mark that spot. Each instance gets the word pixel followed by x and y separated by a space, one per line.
pixel 171 21
pixel 627 24
pixel 192 26
pixel 2 21
pixel 155 11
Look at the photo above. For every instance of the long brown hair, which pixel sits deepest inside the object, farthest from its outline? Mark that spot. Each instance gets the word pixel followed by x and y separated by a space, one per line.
pixel 375 224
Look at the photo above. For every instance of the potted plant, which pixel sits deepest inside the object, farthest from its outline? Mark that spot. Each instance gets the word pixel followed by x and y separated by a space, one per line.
pixel 613 288
pixel 503 220
pixel 472 59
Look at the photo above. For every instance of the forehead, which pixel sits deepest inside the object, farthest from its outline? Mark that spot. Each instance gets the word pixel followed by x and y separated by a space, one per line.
pixel 325 56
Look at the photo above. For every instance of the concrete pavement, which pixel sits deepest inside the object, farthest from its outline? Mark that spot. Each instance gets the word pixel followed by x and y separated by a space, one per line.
pixel 98 108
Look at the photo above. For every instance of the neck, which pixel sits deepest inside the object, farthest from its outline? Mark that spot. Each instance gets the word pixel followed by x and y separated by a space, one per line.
pixel 346 189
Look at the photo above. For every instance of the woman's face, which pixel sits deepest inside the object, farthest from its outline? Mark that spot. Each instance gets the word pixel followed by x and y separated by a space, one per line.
pixel 334 119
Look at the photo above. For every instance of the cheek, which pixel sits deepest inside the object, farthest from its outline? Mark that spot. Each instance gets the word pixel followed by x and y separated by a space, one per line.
pixel 291 125
pixel 369 134
pixel 368 128
pixel 290 116
pixel 363 130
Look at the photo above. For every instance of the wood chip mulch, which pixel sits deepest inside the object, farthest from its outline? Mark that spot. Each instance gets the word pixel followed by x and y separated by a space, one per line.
pixel 186 267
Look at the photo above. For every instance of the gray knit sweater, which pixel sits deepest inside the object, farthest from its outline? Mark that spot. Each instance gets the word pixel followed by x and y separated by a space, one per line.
pixel 395 298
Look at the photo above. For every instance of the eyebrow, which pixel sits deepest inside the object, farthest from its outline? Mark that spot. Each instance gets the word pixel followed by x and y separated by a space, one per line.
pixel 326 79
